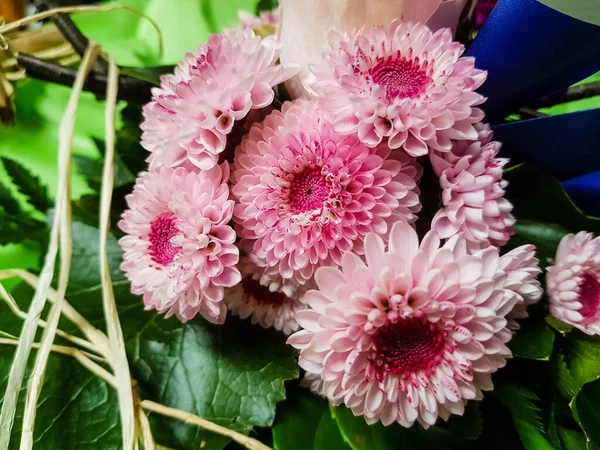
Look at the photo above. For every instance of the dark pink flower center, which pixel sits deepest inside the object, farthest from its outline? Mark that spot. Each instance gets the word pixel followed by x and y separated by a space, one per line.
pixel 162 230
pixel 309 191
pixel 589 297
pixel 409 346
pixel 261 294
pixel 401 77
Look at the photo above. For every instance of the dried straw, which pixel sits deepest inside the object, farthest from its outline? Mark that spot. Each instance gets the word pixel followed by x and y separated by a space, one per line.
pixel 115 334
pixel 62 220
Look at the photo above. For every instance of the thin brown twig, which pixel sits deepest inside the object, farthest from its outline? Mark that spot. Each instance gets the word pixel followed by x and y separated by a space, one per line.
pixel 571 94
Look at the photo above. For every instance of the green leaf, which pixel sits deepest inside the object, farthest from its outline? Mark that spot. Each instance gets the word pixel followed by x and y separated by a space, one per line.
pixel 76 410
pixel 360 436
pixel 328 435
pixel 558 325
pixel 534 340
pixel 544 211
pixel 531 437
pixel 198 367
pixel 587 408
pixel 129 137
pixel 149 74
pixel 297 421
pixel 564 380
pixel 7 202
pixel 266 5
pixel 582 358
pixel 522 404
pixel 28 184
pixel 92 169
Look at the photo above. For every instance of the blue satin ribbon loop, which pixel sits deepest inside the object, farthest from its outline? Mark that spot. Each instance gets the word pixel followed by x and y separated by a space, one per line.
pixel 531 50
pixel 566 145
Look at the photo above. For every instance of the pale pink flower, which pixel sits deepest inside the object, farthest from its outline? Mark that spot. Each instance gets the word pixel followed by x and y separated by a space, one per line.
pixel 573 282
pixel 306 194
pixel 180 252
pixel 473 191
pixel 415 332
pixel 256 297
pixel 401 84
pixel 306 24
pixel 249 20
pixel 191 114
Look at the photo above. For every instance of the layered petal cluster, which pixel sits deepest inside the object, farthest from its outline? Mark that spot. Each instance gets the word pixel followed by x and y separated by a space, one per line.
pixel 259 298
pixel 179 252
pixel 414 332
pixel 306 194
pixel 473 191
pixel 190 115
pixel 573 282
pixel 400 84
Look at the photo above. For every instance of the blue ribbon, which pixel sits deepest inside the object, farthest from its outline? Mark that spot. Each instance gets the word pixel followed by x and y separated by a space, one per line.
pixel 566 145
pixel 531 50
pixel 585 191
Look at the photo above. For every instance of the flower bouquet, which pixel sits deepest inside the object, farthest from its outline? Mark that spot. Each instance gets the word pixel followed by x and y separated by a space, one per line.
pixel 334 224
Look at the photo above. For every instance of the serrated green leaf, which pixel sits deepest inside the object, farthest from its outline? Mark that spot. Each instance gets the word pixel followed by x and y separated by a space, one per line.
pixel 92 169
pixel 522 404
pixel 29 184
pixel 534 340
pixel 564 380
pixel 328 436
pixel 582 358
pixel 7 202
pixel 587 409
pixel 297 421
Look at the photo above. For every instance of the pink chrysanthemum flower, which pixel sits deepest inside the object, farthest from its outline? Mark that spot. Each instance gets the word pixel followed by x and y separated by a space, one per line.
pixel 402 84
pixel 473 193
pixel 253 22
pixel 307 194
pixel 573 282
pixel 415 332
pixel 256 297
pixel 180 252
pixel 191 114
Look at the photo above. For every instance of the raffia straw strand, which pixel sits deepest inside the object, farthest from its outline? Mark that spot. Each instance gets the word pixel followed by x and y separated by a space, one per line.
pixel 17 372
pixel 63 219
pixel 246 441
pixel 115 333
pixel 62 349
pixel 95 336
pixel 146 431
pixel 12 304
pixel 75 9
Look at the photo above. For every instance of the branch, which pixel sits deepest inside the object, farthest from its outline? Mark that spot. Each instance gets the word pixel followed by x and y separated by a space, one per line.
pixel 530 113
pixel 569 95
pixel 70 31
pixel 130 89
